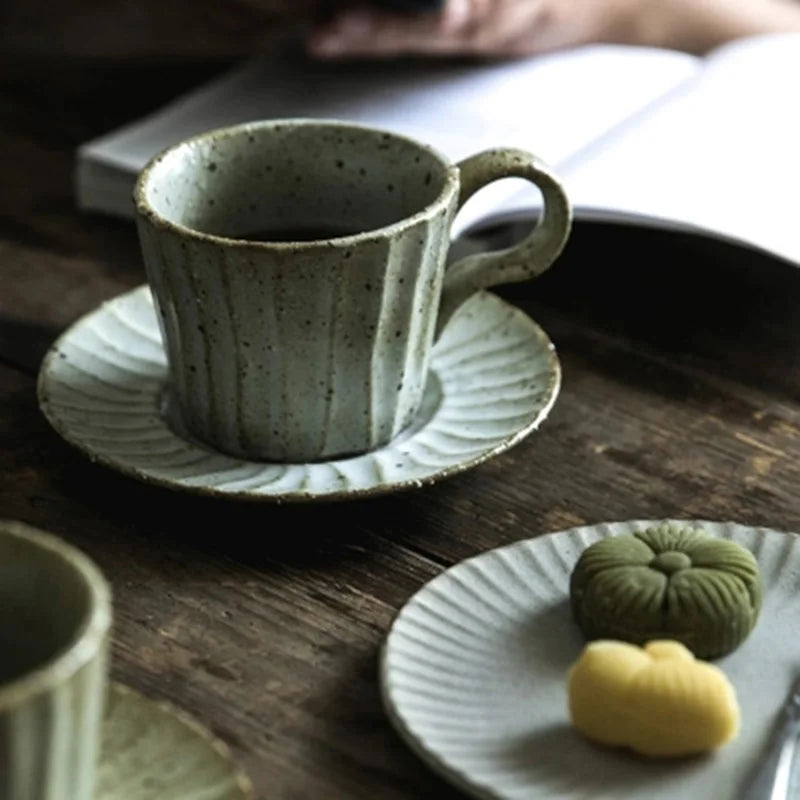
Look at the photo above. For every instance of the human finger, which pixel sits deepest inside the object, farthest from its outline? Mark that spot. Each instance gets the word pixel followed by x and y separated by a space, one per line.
pixel 365 31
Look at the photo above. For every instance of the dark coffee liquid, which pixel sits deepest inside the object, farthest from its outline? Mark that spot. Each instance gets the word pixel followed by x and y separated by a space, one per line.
pixel 21 660
pixel 23 650
pixel 299 233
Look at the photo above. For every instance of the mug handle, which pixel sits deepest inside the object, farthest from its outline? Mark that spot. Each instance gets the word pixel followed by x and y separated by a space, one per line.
pixel 527 259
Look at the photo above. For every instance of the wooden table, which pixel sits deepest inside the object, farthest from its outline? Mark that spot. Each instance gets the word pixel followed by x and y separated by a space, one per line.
pixel 681 398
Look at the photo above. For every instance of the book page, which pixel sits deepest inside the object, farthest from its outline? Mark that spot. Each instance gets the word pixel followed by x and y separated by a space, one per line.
pixel 553 105
pixel 720 156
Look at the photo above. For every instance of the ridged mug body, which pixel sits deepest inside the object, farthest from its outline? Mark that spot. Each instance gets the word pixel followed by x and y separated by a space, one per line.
pixel 283 350
pixel 299 354
pixel 57 616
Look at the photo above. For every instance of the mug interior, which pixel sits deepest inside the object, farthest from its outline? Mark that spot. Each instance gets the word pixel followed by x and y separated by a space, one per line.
pixel 293 181
pixel 46 604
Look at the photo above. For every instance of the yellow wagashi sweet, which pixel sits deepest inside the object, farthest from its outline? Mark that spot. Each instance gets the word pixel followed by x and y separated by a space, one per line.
pixel 657 700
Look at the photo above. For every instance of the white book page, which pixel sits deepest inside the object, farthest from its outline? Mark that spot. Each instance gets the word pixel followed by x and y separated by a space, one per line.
pixel 553 105
pixel 720 156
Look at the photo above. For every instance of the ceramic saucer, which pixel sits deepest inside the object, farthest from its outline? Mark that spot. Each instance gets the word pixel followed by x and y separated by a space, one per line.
pixel 152 751
pixel 494 378
pixel 474 673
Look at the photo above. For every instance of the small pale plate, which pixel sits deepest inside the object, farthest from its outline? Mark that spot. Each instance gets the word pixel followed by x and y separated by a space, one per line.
pixel 473 675
pixel 152 751
pixel 494 378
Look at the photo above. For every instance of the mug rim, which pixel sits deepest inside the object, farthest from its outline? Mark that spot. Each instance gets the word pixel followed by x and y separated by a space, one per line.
pixel 145 210
pixel 87 640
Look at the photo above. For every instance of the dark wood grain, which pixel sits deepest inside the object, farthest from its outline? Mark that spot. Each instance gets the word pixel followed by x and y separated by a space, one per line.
pixel 121 29
pixel 681 397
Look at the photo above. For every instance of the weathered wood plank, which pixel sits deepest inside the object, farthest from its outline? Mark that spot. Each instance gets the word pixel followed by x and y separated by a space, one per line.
pixel 681 397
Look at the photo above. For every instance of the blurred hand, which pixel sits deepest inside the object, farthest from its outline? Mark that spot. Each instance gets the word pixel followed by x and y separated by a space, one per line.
pixel 509 28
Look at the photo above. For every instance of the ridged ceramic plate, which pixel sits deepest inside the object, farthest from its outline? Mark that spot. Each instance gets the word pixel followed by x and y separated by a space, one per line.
pixel 152 751
pixel 474 671
pixel 494 378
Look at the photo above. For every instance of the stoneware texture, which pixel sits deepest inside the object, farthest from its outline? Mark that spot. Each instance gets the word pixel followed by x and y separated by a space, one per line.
pixel 54 628
pixel 299 350
pixel 153 751
pixel 494 377
pixel 474 675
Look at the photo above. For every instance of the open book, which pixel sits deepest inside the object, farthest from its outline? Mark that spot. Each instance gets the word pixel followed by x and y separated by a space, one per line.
pixel 639 135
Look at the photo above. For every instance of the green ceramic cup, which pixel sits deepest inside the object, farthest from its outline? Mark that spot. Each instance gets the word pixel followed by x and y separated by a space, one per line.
pixel 299 272
pixel 55 618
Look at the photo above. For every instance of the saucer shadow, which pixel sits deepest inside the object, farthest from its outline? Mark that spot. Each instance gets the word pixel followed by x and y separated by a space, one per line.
pixel 205 529
pixel 271 535
pixel 23 342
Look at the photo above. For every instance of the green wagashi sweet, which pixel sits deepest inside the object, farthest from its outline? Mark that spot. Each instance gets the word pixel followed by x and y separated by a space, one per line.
pixel 667 583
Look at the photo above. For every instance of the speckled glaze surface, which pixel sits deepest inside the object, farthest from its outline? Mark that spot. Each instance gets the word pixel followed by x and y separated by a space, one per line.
pixel 55 616
pixel 474 675
pixel 300 350
pixel 494 376
pixel 154 751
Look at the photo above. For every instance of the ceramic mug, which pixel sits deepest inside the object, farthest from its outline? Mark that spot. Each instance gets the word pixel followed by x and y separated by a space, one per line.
pixel 55 617
pixel 298 270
